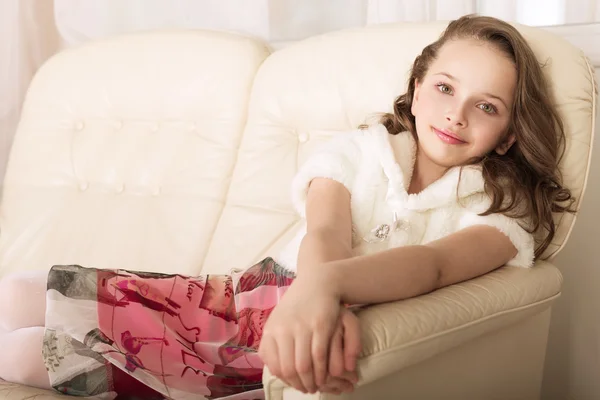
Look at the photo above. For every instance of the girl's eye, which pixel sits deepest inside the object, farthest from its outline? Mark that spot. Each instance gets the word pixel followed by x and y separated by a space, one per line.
pixel 442 87
pixel 487 108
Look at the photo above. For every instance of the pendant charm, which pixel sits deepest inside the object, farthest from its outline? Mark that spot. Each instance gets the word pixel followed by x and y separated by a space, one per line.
pixel 382 231
pixel 378 234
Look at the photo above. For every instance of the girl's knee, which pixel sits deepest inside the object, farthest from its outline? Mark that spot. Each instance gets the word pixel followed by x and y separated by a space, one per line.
pixel 22 298
pixel 23 362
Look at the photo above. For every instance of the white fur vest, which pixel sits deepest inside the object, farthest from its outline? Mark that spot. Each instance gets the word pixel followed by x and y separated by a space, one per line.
pixel 376 168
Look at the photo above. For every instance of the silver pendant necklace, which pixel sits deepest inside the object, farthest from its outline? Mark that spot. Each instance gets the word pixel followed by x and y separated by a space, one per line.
pixel 382 231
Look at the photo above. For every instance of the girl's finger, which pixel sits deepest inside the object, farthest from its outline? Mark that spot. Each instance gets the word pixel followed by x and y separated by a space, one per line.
pixel 336 386
pixel 304 366
pixel 330 390
pixel 350 376
pixel 269 355
pixel 287 360
pixel 320 352
pixel 352 342
pixel 336 353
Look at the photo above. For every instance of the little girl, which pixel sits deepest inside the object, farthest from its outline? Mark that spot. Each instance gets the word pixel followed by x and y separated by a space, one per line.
pixel 451 185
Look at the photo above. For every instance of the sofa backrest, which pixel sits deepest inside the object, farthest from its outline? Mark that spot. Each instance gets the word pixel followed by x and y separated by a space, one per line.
pixel 305 93
pixel 174 151
pixel 125 150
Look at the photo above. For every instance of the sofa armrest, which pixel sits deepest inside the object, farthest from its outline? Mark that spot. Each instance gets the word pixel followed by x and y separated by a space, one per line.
pixel 400 334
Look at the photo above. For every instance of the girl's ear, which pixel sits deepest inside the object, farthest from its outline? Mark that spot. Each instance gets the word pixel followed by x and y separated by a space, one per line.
pixel 506 144
pixel 415 98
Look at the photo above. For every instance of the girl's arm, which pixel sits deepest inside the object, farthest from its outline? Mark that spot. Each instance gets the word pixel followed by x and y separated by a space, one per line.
pixel 329 225
pixel 297 336
pixel 286 346
pixel 410 271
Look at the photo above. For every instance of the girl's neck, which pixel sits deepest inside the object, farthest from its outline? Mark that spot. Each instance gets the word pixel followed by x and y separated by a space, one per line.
pixel 425 172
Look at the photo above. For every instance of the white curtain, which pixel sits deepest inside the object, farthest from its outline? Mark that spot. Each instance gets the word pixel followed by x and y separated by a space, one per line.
pixel 33 30
pixel 288 20
pixel 29 37
pixel 529 12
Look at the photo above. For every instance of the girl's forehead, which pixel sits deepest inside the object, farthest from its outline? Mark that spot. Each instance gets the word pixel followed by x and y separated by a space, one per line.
pixel 476 65
pixel 466 57
pixel 471 50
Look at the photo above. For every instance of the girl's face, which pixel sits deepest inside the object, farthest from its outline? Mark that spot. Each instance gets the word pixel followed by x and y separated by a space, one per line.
pixel 462 106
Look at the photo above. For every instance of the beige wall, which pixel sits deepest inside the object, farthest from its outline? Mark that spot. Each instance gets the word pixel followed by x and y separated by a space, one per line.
pixel 573 359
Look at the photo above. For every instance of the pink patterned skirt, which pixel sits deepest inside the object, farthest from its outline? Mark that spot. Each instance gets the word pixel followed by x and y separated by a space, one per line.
pixel 153 336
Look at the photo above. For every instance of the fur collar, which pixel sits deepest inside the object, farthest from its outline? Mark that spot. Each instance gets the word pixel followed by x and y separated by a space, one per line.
pixel 399 173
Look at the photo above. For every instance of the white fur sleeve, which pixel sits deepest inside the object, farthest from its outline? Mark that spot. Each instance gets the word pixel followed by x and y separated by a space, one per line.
pixel 338 159
pixel 520 238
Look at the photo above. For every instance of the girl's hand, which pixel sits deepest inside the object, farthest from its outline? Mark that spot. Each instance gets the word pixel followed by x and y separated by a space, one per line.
pixel 296 339
pixel 338 386
pixel 345 346
pixel 343 351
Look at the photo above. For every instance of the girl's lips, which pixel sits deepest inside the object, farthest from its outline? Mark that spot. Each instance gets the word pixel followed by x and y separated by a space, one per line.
pixel 447 137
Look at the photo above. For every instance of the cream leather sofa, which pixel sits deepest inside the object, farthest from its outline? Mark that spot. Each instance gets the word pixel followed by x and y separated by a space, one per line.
pixel 173 151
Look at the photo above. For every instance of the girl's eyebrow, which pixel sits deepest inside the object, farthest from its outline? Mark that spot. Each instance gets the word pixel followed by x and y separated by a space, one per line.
pixel 493 96
pixel 448 75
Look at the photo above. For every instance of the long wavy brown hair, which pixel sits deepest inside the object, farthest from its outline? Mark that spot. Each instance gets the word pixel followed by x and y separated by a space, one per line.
pixel 525 183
